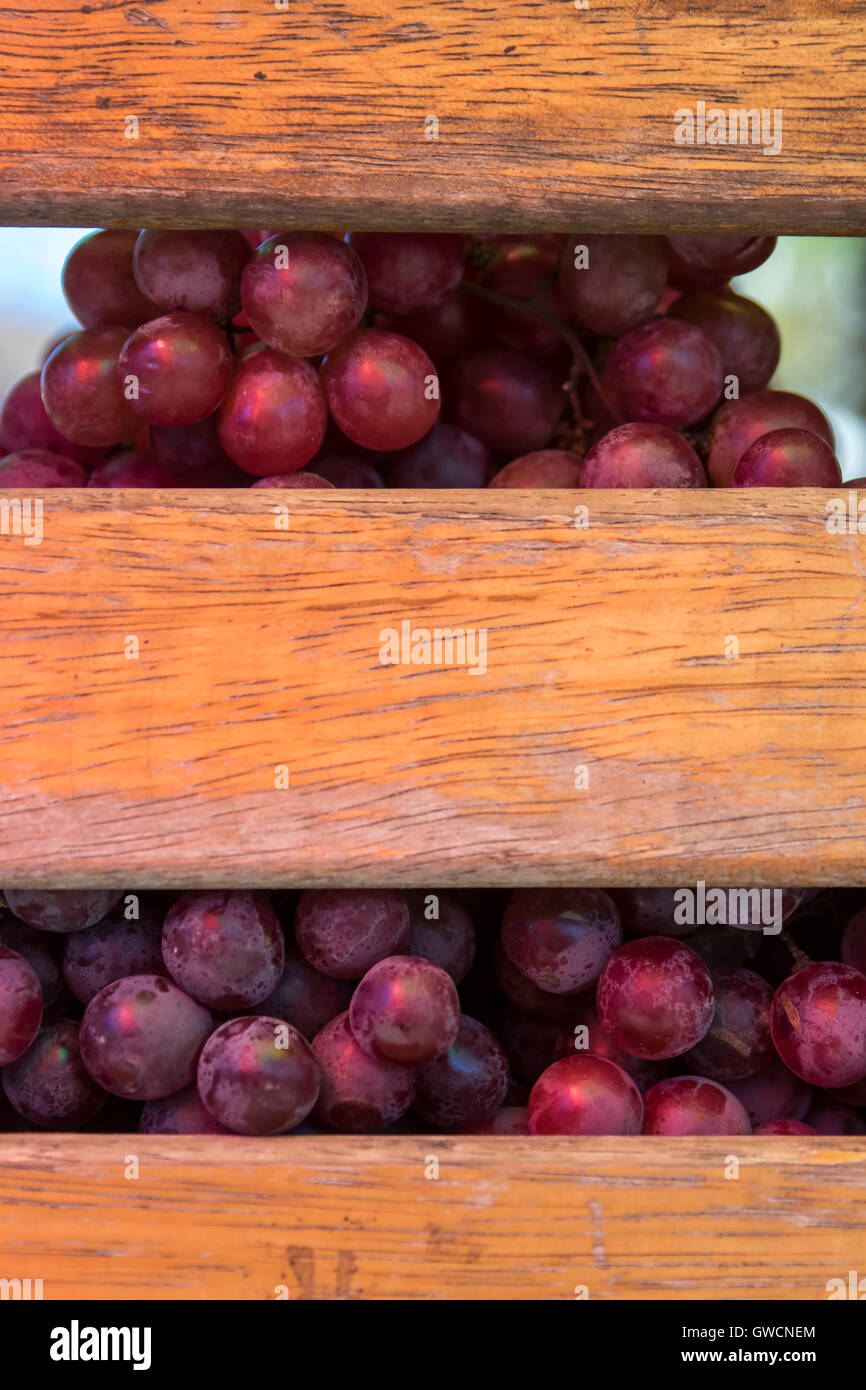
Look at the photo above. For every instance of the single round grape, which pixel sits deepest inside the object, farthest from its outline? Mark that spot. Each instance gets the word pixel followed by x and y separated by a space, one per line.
pixel 649 912
pixel 665 373
pixel 508 1119
pixel 132 469
pixel 853 949
pixel 784 1127
pixel 613 284
pixel 303 480
pixel 818 1022
pixel 788 458
pixel 40 951
pixel 273 415
pixel 49 1085
pixel 197 271
pixel 585 1094
pixel 561 938
pixel 446 457
pixel 347 472
pixel 737 1042
pixel 515 264
pixel 182 1113
pixel 738 423
pixel 37 469
pixel 305 997
pixel 448 939
pixel 703 262
pixel 303 292
pixel 195 454
pixel 61 909
pixel 141 1037
pixel 693 1105
pixel 405 1009
pixel 114 948
pixel 407 271
pixel 746 336
pixel 584 1033
pixel 20 1005
pixel 24 423
pixel 446 331
pixel 551 468
pixel 827 1115
pixel 467 1084
pixel 509 401
pixel 359 1094
pixel 773 1093
pixel 529 1040
pixel 521 991
pixel 655 998
pixel 382 389
pixel 175 370
pixel 81 392
pixel 225 949
pixel 258 1076
pixel 642 455
pixel 343 931
pixel 98 283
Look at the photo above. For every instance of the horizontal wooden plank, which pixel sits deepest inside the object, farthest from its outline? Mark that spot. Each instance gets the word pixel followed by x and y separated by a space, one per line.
pixel 317 112
pixel 363 1218
pixel 168 661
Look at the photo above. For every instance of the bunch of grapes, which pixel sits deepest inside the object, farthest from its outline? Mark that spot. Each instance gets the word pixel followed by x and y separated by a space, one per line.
pixel 318 359
pixel 547 1011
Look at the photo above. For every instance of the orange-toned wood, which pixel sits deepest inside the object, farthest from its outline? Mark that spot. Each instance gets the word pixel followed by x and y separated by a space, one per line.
pixel 299 112
pixel 259 650
pixel 360 1218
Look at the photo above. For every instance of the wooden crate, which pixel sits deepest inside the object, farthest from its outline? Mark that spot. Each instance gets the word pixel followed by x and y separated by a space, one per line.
pixel 607 644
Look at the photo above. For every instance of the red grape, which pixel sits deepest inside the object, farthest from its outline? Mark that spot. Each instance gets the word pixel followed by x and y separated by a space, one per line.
pixel 649 911
pixel 198 271
pixel 516 264
pixel 617 282
pixel 584 1033
pixel 508 1119
pixel 225 949
pixel 175 369
pixel 305 997
pixel 343 931
pixel 360 1094
pixel 551 468
pixel 818 1022
pixel 37 469
pixel 703 262
pixel 854 942
pixel 693 1105
pixel 258 1076
pixel 744 333
pixel 405 1009
pixel 786 1127
pixel 738 1041
pixel 530 1042
pixel 49 1085
pixel 40 952
pixel 827 1115
pixel 446 331
pixel 61 909
pixel 521 991
pixel 114 948
pixel 303 480
pixel 273 416
pixel 446 457
pixel 561 938
pixel 347 472
pixel 738 423
pixel 195 454
pixel 467 1084
pixel 642 455
pixel 141 1037
pixel 20 1005
pixel 407 271
pixel 774 1093
pixel 788 458
pixel 382 389
pixel 666 373
pixel 655 998
pixel 81 392
pixel 303 292
pixel 98 282
pixel 131 469
pixel 509 401
pixel 585 1094
pixel 182 1113
pixel 24 423
pixel 448 940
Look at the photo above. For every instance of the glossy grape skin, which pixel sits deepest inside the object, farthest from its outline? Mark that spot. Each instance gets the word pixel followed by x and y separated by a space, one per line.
pixel 273 415
pixel 359 1094
pixel 788 458
pixel 37 469
pixel 406 1010
pixel 181 365
pixel 347 472
pixel 408 271
pixel 132 469
pixel 258 1076
pixel 49 1085
pixel 225 949
pixel 827 1115
pixel 303 480
pixel 665 373
pixel 508 1119
pixel 786 1127
pixel 693 1105
pixel 561 938
pixel 114 948
pixel 585 1094
pixel 522 992
pixel 621 284
pixel 551 468
pixel 773 1093
pixel 344 931
pixel 737 1042
pixel 446 457
pixel 655 998
pixel 41 953
pixel 704 262
pixel 81 392
pixel 141 1037
pixel 379 387
pixel 303 292
pixel 642 455
pixel 516 264
pixel 195 454
pixel 509 401
pixel 818 1022
pixel 182 1113
pixel 584 1028
pixel 853 948
pixel 61 909
pixel 746 336
pixel 199 271
pixel 468 1084
pixel 448 940
pixel 446 331
pixel 648 911
pixel 24 423
pixel 20 1005
pixel 738 423
pixel 304 996
pixel 98 283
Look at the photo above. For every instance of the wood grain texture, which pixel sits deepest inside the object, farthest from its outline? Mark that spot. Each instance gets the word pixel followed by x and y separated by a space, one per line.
pixel 340 1218
pixel 259 649
pixel 254 114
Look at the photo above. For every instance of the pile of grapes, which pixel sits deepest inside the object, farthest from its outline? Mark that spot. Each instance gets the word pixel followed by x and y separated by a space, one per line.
pixel 314 359
pixel 589 1012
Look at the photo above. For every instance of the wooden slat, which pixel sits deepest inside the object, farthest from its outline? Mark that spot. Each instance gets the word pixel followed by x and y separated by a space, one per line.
pixel 358 1219
pixel 314 113
pixel 259 649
